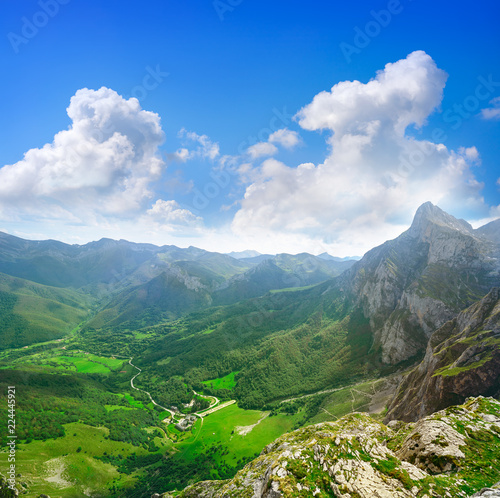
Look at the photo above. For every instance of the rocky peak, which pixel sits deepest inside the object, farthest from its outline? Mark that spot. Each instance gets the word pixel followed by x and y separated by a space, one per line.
pixel 428 216
pixel 490 231
pixel 410 286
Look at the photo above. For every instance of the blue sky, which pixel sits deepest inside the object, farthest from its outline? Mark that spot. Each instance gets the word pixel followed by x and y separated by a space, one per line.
pixel 274 126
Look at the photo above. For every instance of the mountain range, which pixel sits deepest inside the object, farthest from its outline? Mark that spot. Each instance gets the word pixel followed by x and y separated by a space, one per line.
pixel 399 292
pixel 122 281
pixel 421 309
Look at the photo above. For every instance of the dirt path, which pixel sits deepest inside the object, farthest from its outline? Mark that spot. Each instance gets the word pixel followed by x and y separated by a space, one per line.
pixel 243 430
pixel 326 391
pixel 218 407
pixel 214 401
pixel 214 406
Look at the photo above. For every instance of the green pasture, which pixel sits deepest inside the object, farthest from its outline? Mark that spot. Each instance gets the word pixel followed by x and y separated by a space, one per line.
pixel 226 382
pixel 72 362
pixel 344 401
pixel 56 467
pixel 220 429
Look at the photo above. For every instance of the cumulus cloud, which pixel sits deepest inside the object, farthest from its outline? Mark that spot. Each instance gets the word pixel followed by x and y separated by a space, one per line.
pixel 206 149
pixel 262 149
pixel 286 138
pixel 105 161
pixel 492 112
pixel 404 93
pixel 170 213
pixel 375 175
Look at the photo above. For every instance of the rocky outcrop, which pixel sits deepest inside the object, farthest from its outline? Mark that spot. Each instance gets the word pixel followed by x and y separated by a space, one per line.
pixel 410 286
pixel 5 490
pixel 493 492
pixel 452 453
pixel 462 359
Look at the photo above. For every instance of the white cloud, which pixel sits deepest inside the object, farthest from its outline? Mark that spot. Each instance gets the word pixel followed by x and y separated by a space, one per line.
pixel 206 148
pixel 492 112
pixel 471 153
pixel 375 177
pixel 262 149
pixel 104 163
pixel 169 212
pixel 285 137
pixel 404 93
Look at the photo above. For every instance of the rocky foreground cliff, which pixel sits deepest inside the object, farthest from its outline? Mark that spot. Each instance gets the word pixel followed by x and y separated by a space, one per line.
pixel 452 453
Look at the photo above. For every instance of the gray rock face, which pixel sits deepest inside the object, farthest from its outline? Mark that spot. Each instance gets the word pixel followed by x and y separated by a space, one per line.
pixel 462 359
pixel 434 446
pixel 410 286
pixel 487 493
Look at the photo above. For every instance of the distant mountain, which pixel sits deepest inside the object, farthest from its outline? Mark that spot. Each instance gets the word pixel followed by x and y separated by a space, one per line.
pixel 462 360
pixel 376 316
pixel 105 265
pixel 404 289
pixel 279 272
pixel 164 297
pixel 255 260
pixel 213 279
pixel 491 231
pixel 31 312
pixel 328 257
pixel 244 254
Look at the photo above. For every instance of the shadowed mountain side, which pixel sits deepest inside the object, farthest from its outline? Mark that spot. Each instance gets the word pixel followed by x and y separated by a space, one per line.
pixel 164 297
pixel 462 359
pixel 279 272
pixel 31 312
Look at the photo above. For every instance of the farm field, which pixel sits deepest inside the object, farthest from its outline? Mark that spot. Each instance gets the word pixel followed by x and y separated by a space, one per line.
pixel 66 466
pixel 70 361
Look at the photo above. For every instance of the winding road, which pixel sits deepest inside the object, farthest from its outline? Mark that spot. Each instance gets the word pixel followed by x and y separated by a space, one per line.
pixel 215 403
pixel 172 413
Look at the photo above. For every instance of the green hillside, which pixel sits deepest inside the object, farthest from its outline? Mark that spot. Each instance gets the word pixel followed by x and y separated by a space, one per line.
pixel 31 313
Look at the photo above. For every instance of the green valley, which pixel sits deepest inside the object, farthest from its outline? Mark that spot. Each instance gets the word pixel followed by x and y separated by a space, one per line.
pixel 141 369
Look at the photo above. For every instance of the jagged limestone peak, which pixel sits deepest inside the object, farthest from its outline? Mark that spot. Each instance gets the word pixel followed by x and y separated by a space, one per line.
pixel 428 214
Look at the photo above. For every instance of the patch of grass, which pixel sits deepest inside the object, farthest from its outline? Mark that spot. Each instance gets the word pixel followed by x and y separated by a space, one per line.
pixel 291 289
pixel 111 408
pixel 61 359
pixel 226 382
pixel 345 401
pixel 450 372
pixel 133 402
